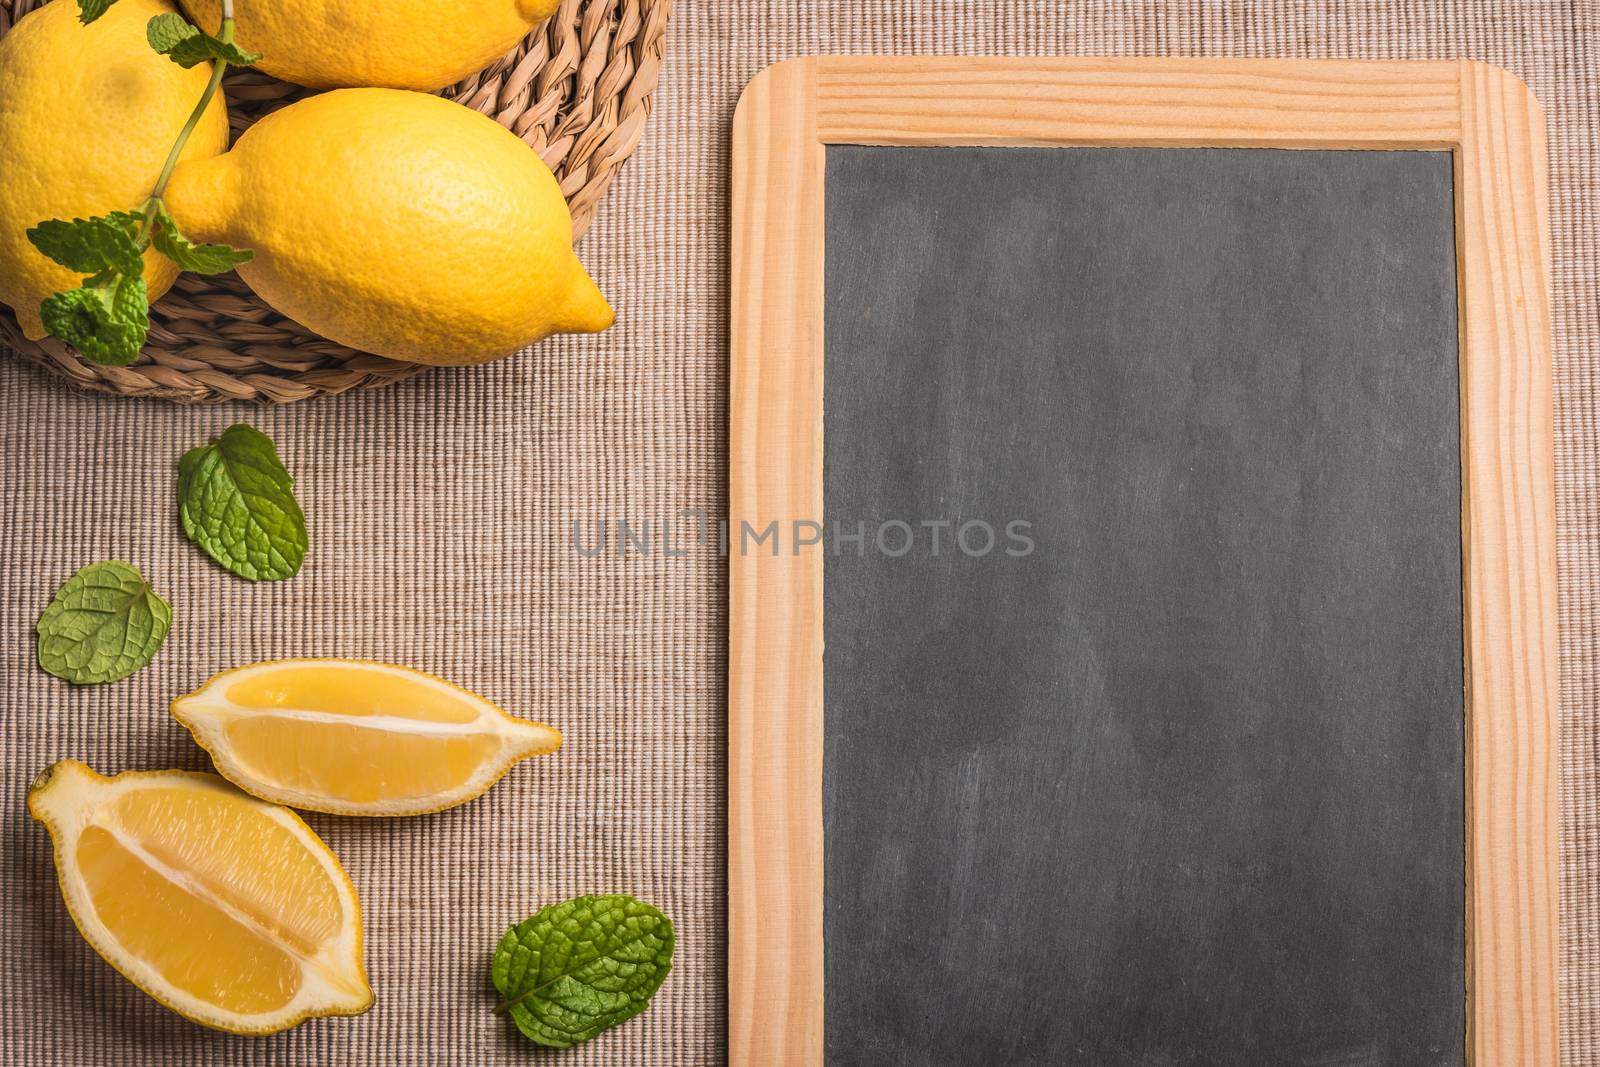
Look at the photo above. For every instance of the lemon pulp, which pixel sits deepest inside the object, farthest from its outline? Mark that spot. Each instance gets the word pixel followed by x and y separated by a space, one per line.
pixel 354 737
pixel 226 909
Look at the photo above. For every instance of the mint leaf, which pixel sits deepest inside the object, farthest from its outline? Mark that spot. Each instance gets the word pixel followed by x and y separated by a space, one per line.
pixel 169 32
pixel 87 246
pixel 181 41
pixel 89 10
pixel 189 255
pixel 230 53
pixel 581 967
pixel 107 319
pixel 237 503
pixel 104 624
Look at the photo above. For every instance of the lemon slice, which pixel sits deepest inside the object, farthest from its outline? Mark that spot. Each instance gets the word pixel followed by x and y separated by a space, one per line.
pixel 228 910
pixel 355 738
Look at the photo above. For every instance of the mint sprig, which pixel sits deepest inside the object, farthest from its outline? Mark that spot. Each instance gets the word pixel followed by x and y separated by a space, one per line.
pixel 581 967
pixel 107 318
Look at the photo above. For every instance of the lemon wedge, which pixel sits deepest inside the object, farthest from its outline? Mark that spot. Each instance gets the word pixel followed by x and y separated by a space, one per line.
pixel 227 910
pixel 355 738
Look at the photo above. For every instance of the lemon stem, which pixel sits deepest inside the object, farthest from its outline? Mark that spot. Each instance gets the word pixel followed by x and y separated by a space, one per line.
pixel 218 68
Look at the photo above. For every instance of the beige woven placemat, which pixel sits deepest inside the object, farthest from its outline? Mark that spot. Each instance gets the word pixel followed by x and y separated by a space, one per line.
pixel 441 512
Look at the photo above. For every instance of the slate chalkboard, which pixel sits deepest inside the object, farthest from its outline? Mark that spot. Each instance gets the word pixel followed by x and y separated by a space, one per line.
pixel 1183 784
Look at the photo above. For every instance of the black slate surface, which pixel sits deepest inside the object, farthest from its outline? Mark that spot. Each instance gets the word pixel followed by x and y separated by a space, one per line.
pixel 1182 786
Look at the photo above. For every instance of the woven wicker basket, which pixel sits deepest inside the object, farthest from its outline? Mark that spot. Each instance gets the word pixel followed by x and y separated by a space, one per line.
pixel 577 90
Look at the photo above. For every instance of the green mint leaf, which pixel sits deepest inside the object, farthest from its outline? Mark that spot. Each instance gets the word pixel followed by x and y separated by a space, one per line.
pixel 237 503
pixel 89 10
pixel 128 220
pixel 171 32
pixel 231 53
pixel 107 319
pixel 104 624
pixel 193 256
pixel 90 245
pixel 581 967
pixel 75 316
pixel 181 41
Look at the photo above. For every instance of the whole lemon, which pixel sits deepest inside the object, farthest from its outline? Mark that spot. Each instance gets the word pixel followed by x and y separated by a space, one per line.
pixel 397 44
pixel 397 223
pixel 87 117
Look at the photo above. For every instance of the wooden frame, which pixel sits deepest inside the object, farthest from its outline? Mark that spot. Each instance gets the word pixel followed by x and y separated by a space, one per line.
pixel 1495 129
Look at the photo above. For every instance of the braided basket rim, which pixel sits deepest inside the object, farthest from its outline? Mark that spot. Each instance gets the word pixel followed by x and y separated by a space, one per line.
pixel 577 89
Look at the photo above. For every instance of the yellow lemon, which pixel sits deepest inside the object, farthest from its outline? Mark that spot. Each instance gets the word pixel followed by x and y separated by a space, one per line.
pixel 397 223
pixel 87 117
pixel 399 44
pixel 226 909
pixel 355 738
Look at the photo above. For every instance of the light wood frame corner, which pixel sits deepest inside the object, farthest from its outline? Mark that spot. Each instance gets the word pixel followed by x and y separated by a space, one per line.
pixel 1491 123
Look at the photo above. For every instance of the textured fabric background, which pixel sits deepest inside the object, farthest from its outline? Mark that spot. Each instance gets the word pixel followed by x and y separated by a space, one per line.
pixel 440 515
